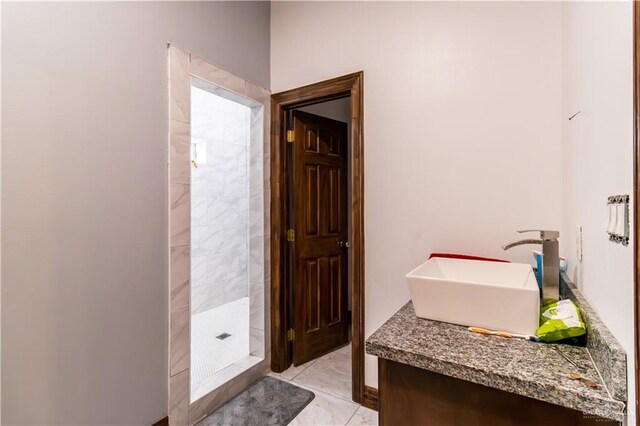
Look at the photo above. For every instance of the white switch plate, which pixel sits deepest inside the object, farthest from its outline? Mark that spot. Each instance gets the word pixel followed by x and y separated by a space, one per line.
pixel 579 242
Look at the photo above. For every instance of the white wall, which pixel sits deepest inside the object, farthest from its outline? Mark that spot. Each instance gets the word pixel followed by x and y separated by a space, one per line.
pixel 462 116
pixel 598 156
pixel 84 197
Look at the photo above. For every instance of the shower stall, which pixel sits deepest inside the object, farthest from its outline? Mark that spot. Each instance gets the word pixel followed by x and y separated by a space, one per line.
pixel 226 193
pixel 218 234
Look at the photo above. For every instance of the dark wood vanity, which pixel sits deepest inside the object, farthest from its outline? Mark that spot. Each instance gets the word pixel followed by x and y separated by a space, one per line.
pixel 436 373
pixel 414 396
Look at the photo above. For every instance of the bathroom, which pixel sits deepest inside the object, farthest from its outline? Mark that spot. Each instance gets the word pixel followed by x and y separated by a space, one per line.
pixel 466 139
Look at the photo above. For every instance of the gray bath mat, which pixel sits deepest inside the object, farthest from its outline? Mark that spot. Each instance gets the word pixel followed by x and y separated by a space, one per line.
pixel 268 402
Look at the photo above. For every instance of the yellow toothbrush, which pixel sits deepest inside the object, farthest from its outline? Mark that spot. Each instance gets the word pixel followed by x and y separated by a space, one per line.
pixel 503 334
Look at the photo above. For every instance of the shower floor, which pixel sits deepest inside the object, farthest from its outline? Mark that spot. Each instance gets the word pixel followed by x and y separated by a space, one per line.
pixel 214 361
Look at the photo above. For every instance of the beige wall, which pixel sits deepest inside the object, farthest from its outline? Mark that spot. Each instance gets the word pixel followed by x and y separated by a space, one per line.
pixel 598 157
pixel 462 114
pixel 84 196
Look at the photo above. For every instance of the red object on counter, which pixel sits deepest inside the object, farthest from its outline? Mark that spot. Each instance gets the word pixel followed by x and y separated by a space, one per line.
pixel 466 257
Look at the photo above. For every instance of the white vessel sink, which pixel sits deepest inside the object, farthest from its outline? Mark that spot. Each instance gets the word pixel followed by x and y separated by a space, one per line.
pixel 493 295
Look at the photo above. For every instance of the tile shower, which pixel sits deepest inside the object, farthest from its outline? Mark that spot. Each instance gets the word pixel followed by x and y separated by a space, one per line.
pixel 225 339
pixel 209 301
pixel 219 200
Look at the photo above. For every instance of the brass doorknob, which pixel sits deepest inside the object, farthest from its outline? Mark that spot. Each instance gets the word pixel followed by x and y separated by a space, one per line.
pixel 344 244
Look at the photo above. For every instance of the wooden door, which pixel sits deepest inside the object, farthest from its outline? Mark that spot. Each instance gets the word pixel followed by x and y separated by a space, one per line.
pixel 319 214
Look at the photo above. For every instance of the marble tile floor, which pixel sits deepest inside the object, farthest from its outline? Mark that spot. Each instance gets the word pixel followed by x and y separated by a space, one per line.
pixel 329 377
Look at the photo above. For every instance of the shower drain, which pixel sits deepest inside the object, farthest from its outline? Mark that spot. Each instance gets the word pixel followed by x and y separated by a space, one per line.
pixel 223 336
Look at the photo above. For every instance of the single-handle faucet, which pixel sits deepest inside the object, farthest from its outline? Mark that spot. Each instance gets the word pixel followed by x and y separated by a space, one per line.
pixel 550 261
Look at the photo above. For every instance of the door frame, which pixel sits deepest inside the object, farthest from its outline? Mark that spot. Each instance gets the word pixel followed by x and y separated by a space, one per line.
pixel 340 87
pixel 636 194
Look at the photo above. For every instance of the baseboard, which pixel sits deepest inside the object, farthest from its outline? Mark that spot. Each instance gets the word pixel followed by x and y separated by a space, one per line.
pixel 162 422
pixel 370 399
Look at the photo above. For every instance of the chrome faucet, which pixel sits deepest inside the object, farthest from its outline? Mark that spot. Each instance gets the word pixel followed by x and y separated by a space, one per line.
pixel 550 261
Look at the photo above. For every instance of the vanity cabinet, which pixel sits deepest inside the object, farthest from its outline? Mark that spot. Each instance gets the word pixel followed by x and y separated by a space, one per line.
pixel 412 396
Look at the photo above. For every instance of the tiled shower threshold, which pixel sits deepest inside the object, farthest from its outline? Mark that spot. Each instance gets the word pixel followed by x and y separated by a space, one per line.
pixel 223 376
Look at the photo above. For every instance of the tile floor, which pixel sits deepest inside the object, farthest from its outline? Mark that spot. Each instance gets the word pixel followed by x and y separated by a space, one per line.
pixel 329 377
pixel 214 361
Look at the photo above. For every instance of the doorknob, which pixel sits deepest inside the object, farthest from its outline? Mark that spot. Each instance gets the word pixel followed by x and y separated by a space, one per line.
pixel 343 244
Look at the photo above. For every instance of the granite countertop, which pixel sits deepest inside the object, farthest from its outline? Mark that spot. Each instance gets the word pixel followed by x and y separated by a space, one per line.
pixel 518 366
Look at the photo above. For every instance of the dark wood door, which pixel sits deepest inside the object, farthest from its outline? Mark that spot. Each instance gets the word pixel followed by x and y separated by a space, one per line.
pixel 319 213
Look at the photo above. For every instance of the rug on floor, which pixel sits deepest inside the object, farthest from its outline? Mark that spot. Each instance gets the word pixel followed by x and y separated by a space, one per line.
pixel 268 402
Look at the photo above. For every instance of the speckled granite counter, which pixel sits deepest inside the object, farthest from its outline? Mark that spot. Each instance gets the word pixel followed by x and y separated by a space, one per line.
pixel 525 368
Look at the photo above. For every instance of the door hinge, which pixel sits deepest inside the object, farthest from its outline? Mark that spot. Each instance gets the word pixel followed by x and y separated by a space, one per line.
pixel 291 136
pixel 291 335
pixel 291 235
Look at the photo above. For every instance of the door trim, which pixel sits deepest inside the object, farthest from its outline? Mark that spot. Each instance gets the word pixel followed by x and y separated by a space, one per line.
pixel 340 87
pixel 636 194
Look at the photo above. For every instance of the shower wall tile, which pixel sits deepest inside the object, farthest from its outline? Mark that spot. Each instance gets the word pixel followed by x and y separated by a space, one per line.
pixel 256 258
pixel 207 240
pixel 257 185
pixel 207 104
pixel 217 76
pixel 256 305
pixel 224 156
pixel 201 128
pixel 179 398
pixel 207 181
pixel 256 121
pixel 235 288
pixel 236 183
pixel 224 211
pixel 212 295
pixel 257 93
pixel 180 271
pixel 256 181
pixel 256 342
pixel 180 214
pixel 266 170
pixel 234 166
pixel 256 214
pixel 199 204
pixel 255 189
pixel 224 266
pixel 205 297
pixel 179 236
pixel 199 270
pixel 179 85
pixel 243 209
pixel 235 239
pixel 179 152
pixel 236 134
pixel 180 352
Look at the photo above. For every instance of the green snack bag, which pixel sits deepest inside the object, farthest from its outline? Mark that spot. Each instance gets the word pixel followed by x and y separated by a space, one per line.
pixel 560 320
